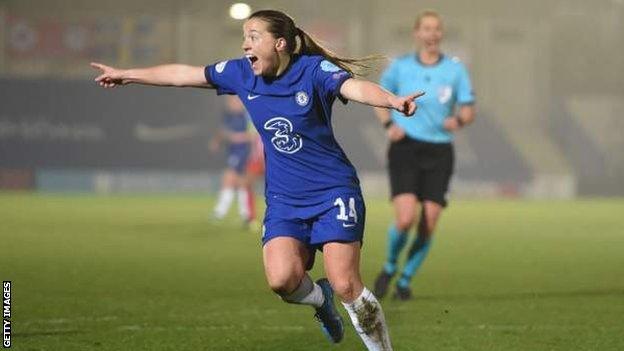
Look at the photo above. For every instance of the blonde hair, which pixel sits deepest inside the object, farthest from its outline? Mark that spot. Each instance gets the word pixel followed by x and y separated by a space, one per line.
pixel 427 13
pixel 280 25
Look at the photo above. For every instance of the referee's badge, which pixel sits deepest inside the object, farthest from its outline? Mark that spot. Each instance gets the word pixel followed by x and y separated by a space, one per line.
pixel 302 98
pixel 444 94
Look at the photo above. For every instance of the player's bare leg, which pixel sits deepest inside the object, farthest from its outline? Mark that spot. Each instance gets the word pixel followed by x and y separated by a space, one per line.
pixel 342 262
pixel 229 182
pixel 285 260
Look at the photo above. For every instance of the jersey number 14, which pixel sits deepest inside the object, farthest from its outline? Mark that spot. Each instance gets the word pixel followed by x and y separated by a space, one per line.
pixel 342 210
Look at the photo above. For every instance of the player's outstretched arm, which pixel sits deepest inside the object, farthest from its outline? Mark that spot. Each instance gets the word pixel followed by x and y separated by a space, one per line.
pixel 372 94
pixel 177 75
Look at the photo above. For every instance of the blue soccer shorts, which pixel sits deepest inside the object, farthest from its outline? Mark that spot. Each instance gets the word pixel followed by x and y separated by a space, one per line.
pixel 340 217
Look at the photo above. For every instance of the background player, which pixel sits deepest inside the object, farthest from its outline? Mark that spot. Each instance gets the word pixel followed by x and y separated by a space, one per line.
pixel 255 171
pixel 234 180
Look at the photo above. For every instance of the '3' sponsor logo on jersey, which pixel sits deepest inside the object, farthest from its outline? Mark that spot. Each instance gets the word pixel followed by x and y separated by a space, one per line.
pixel 284 139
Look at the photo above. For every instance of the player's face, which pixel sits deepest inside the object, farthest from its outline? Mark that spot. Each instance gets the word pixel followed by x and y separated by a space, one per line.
pixel 429 34
pixel 260 47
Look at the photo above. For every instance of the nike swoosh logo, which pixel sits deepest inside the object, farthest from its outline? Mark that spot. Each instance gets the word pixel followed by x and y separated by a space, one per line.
pixel 251 97
pixel 348 225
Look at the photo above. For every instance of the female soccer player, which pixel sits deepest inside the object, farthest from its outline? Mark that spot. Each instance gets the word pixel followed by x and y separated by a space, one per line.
pixel 255 171
pixel 421 152
pixel 288 84
pixel 234 179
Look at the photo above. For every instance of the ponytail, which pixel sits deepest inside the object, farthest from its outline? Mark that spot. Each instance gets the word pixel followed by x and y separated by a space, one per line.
pixel 280 25
pixel 355 66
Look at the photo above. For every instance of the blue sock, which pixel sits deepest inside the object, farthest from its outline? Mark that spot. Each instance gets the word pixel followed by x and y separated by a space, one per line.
pixel 396 242
pixel 415 258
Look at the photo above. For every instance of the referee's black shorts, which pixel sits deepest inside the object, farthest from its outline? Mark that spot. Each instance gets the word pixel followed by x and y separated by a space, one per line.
pixel 421 168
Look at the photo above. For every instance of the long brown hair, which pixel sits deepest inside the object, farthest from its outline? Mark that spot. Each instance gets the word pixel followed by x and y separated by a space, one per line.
pixel 280 25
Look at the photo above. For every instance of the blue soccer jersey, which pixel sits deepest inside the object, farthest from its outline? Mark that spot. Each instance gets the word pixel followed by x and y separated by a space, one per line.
pixel 445 84
pixel 292 113
pixel 235 122
pixel 237 151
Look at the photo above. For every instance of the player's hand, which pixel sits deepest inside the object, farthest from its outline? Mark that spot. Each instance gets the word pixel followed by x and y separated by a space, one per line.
pixel 395 133
pixel 110 77
pixel 406 104
pixel 451 124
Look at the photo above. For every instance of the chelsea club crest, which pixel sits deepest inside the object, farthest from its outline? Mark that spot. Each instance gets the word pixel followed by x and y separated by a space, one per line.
pixel 302 98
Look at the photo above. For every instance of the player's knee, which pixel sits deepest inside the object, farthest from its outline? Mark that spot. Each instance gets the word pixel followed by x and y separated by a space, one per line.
pixel 404 223
pixel 345 289
pixel 284 283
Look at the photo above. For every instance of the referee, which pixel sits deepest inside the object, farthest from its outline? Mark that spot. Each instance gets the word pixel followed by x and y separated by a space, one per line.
pixel 421 155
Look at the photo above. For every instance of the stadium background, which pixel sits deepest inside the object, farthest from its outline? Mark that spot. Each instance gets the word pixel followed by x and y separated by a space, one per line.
pixel 105 194
pixel 548 77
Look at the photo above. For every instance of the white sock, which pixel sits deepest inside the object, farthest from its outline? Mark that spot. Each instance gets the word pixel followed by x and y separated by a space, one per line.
pixel 243 203
pixel 369 321
pixel 226 196
pixel 307 293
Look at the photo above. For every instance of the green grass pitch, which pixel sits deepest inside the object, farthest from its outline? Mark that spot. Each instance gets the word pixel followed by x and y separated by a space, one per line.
pixel 153 273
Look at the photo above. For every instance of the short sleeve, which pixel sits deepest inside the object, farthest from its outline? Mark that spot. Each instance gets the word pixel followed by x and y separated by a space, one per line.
pixel 465 94
pixel 225 76
pixel 389 78
pixel 328 78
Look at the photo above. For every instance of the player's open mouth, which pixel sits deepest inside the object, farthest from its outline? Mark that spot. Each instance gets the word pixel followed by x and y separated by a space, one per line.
pixel 252 59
